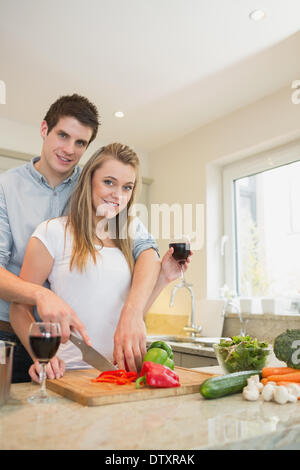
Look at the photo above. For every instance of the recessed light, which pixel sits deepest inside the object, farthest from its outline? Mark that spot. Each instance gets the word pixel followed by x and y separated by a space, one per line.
pixel 119 114
pixel 257 15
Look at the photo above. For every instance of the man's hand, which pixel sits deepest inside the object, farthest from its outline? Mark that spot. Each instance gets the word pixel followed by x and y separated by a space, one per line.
pixel 130 341
pixel 55 369
pixel 52 308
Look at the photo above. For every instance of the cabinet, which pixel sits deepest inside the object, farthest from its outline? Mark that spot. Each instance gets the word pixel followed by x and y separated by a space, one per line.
pixel 193 360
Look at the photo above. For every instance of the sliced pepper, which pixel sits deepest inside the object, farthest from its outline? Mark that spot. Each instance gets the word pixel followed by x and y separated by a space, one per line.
pixel 157 375
pixel 119 377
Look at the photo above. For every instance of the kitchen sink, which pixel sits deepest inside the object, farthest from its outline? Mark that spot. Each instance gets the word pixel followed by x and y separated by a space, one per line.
pixel 198 340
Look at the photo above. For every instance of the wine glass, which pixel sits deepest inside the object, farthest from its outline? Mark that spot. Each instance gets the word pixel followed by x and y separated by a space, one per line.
pixel 182 251
pixel 44 340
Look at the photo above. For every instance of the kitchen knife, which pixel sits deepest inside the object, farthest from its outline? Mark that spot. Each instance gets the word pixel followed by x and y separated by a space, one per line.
pixel 91 356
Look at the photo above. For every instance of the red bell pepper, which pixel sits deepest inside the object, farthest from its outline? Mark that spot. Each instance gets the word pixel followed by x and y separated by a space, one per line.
pixel 157 375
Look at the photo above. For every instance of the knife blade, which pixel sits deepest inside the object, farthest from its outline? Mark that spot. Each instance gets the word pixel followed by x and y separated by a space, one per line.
pixel 91 356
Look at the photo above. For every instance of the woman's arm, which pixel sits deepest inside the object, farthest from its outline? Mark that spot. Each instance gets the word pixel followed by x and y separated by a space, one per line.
pixel 150 277
pixel 130 334
pixel 170 271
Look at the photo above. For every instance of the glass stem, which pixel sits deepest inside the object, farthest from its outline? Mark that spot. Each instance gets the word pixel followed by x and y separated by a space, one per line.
pixel 182 273
pixel 43 376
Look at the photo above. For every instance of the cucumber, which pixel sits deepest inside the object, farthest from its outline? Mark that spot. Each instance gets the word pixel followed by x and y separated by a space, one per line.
pixel 216 387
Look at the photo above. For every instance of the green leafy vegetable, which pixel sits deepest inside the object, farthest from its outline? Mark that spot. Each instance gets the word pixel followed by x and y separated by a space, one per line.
pixel 285 346
pixel 242 353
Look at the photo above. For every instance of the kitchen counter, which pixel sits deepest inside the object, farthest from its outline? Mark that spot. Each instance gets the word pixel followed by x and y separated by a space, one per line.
pixel 195 349
pixel 175 423
pixel 188 347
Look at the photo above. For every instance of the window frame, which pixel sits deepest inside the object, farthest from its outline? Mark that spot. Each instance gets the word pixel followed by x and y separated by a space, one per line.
pixel 262 161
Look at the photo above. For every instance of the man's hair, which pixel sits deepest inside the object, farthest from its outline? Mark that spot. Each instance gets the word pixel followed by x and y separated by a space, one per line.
pixel 77 107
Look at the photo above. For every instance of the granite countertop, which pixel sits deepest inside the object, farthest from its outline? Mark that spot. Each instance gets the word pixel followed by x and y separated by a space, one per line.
pixel 195 349
pixel 188 347
pixel 175 423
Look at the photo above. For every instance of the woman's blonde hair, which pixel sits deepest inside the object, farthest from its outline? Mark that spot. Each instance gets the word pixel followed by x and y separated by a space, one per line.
pixel 81 222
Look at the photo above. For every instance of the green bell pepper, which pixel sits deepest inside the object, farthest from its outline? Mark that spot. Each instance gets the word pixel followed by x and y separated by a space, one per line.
pixel 162 345
pixel 159 356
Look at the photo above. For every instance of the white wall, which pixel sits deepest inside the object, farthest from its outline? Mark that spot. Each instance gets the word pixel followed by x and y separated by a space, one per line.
pixel 20 137
pixel 185 170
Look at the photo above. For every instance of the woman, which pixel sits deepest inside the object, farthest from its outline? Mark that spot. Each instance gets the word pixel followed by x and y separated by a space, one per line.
pixel 87 256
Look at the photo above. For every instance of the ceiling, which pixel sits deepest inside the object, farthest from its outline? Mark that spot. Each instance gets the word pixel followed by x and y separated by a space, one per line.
pixel 170 65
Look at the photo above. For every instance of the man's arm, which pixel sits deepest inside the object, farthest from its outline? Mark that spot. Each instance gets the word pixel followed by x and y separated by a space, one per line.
pixel 27 289
pixel 49 306
pixel 21 317
pixel 12 288
pixel 15 289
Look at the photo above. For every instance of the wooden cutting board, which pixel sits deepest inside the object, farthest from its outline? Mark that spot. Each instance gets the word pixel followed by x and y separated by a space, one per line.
pixel 76 385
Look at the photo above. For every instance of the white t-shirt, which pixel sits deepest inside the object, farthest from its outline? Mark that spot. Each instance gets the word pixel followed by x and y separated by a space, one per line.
pixel 96 294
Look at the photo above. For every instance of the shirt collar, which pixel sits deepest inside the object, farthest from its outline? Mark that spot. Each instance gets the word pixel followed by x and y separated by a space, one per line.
pixel 41 179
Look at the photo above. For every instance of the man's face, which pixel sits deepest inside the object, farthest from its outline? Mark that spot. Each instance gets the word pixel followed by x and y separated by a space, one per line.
pixel 64 145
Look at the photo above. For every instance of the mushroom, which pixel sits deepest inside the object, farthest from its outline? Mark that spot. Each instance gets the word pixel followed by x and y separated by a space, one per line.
pixel 251 393
pixel 281 395
pixel 294 389
pixel 254 380
pixel 292 398
pixel 268 392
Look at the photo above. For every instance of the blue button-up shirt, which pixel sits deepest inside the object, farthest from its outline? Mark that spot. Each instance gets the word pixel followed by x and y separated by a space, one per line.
pixel 26 200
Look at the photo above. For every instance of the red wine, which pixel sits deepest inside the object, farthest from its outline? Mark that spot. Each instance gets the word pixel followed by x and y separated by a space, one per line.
pixel 181 251
pixel 44 348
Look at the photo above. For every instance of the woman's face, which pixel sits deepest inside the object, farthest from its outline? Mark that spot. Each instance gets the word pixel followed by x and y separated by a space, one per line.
pixel 112 186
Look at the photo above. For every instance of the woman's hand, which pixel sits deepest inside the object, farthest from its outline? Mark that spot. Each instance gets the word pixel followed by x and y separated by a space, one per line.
pixel 55 369
pixel 130 340
pixel 170 268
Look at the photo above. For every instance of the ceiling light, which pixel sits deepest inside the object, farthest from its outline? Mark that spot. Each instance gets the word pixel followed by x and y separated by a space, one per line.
pixel 119 114
pixel 257 15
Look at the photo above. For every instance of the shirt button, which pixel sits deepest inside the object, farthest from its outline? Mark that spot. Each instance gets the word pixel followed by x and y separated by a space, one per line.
pixel 54 194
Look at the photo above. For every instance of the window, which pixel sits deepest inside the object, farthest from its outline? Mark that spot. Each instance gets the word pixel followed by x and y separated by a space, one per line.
pixel 262 223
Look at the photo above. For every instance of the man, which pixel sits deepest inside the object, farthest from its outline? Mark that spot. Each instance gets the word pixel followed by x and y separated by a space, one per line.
pixel 40 190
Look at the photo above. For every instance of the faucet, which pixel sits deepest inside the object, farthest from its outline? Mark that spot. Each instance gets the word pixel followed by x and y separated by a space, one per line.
pixel 229 302
pixel 191 327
